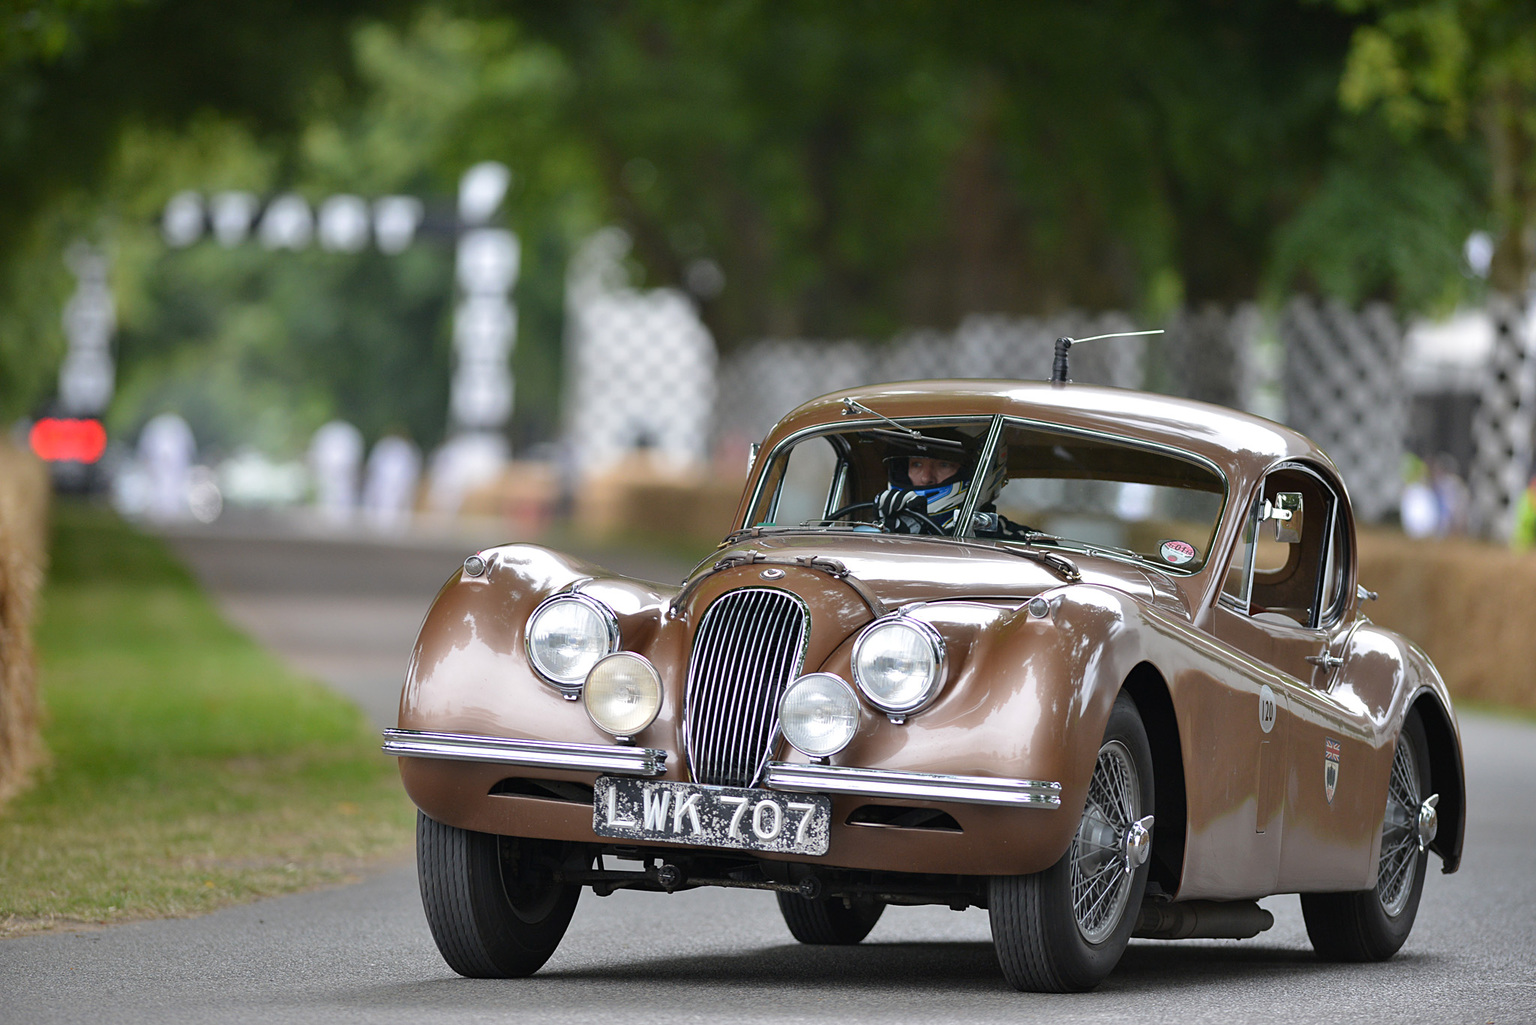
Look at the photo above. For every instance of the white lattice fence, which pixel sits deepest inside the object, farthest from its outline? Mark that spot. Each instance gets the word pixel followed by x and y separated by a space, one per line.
pixel 1344 389
pixel 642 365
pixel 1207 354
pixel 1505 420
pixel 766 380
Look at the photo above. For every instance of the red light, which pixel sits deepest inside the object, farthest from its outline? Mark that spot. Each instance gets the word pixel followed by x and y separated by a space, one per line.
pixel 79 441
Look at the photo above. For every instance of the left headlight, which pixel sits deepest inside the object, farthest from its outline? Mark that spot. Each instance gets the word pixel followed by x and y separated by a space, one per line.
pixel 623 693
pixel 898 663
pixel 567 634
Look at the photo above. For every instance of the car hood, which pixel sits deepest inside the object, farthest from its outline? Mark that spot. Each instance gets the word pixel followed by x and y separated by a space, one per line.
pixel 898 570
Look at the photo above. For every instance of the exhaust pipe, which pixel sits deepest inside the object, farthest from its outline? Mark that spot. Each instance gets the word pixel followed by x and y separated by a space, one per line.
pixel 1202 919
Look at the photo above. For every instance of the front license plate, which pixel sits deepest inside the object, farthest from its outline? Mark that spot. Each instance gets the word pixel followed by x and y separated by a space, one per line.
pixel 691 813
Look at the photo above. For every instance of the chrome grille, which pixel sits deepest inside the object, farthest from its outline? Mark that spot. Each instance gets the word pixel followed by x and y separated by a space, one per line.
pixel 748 647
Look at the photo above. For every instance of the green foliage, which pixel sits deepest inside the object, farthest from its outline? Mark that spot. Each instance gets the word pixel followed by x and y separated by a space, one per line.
pixel 852 168
pixel 863 166
pixel 1437 70
pixel 76 74
pixel 189 769
pixel 1387 222
pixel 261 348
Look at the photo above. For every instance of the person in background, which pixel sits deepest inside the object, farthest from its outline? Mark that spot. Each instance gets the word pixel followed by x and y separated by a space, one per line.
pixel 1418 507
pixel 1451 497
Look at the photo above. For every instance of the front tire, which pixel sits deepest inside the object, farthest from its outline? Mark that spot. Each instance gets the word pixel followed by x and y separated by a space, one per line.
pixel 1372 925
pixel 494 906
pixel 1063 930
pixel 829 920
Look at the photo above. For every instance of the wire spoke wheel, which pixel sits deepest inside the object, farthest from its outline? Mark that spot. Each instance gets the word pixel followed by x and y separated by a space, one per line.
pixel 1101 876
pixel 1372 925
pixel 1063 929
pixel 1399 830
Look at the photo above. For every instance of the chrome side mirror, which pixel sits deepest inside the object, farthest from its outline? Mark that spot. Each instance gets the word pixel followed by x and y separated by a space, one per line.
pixel 1285 511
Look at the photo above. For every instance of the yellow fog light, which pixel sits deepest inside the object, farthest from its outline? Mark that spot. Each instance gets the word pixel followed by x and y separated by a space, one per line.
pixel 623 693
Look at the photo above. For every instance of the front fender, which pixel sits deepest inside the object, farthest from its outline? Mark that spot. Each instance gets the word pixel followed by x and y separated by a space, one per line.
pixel 1027 698
pixel 469 668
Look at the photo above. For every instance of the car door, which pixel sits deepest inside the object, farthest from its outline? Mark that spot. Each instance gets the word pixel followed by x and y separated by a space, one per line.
pixel 1284 605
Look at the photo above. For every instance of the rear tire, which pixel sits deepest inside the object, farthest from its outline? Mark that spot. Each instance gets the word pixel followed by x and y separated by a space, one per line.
pixel 1372 925
pixel 1063 930
pixel 829 920
pixel 494 906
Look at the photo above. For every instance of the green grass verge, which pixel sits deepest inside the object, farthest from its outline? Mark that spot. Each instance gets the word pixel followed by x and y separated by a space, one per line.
pixel 189 768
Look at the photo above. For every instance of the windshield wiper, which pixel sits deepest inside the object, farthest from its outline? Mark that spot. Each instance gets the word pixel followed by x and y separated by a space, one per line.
pixel 1031 537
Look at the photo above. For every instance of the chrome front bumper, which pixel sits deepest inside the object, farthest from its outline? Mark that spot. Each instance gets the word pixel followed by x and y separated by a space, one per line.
pixel 537 754
pixel 784 776
pixel 919 786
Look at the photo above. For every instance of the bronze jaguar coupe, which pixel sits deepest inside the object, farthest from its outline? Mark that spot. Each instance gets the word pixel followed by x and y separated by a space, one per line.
pixel 1091 659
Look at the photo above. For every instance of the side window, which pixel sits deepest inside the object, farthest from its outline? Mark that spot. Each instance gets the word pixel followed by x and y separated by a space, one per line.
pixel 1335 570
pixel 1296 568
pixel 809 477
pixel 1234 590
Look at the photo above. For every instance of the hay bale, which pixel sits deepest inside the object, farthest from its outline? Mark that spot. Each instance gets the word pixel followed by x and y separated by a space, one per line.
pixel 1466 603
pixel 24 494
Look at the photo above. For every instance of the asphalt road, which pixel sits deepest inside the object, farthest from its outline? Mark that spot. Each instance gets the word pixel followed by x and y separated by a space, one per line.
pixel 363 953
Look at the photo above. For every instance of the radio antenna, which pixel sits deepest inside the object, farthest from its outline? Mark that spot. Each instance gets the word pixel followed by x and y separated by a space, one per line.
pixel 1064 345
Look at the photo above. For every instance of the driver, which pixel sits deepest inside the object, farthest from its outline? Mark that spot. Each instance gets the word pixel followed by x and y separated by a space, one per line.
pixel 929 478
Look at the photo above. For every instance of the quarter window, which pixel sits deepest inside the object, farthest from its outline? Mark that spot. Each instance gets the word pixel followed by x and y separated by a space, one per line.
pixel 1289 562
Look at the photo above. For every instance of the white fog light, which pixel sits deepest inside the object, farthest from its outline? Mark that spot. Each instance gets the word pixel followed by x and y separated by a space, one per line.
pixel 623 694
pixel 567 634
pixel 898 663
pixel 819 714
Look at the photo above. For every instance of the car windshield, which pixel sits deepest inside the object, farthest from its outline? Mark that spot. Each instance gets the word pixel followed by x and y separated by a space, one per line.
pixel 1042 485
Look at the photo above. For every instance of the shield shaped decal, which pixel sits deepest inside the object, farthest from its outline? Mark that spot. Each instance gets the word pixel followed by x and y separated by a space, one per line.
pixel 1330 767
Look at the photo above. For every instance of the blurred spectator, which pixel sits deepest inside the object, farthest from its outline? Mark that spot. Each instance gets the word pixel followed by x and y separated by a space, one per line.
pixel 463 463
pixel 335 455
pixel 166 448
pixel 250 478
pixel 1452 499
pixel 389 487
pixel 1419 508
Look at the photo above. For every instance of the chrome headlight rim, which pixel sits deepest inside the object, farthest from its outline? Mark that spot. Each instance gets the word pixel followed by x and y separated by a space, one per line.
pixel 609 619
pixel 840 683
pixel 651 672
pixel 936 644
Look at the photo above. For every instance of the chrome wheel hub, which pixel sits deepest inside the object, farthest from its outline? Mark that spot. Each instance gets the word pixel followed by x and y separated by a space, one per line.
pixel 1429 820
pixel 1112 842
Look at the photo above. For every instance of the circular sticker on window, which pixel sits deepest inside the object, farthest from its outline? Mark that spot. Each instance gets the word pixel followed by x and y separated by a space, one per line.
pixel 1177 553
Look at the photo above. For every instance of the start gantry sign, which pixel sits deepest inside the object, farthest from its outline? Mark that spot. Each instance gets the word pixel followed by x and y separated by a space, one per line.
pixel 487 259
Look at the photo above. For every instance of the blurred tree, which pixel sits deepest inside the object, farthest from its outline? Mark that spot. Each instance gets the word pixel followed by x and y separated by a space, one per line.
pixel 803 168
pixel 863 166
pixel 74 74
pixel 362 336
pixel 1437 71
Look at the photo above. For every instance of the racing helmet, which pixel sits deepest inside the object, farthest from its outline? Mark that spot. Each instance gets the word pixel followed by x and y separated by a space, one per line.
pixel 942 501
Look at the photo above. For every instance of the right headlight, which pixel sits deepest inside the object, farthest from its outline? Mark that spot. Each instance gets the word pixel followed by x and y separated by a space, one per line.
pixel 567 634
pixel 898 663
pixel 819 714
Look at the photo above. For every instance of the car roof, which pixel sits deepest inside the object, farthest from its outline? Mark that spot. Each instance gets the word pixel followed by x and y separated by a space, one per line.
pixel 1242 444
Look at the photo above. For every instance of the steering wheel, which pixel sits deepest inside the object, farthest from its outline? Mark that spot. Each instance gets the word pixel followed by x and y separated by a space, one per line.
pixel 922 518
pixel 855 507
